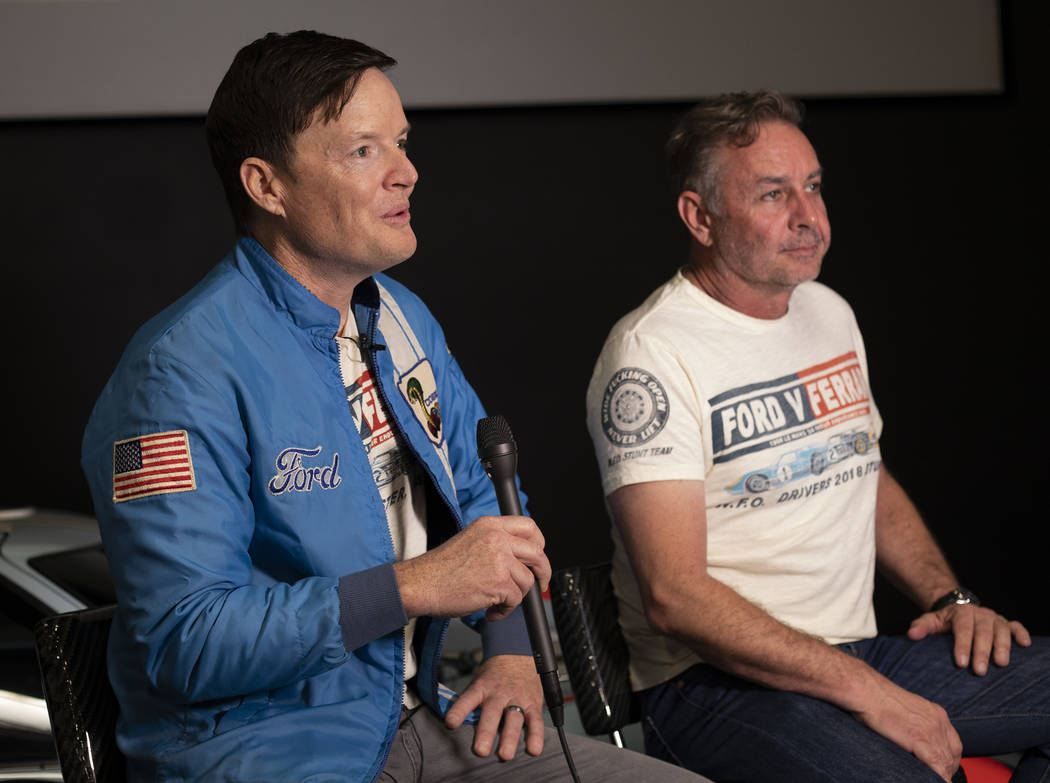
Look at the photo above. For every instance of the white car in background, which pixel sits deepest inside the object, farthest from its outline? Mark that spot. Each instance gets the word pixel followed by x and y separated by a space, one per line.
pixel 50 562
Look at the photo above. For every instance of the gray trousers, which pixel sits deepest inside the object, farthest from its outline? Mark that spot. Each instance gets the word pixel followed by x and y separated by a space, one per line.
pixel 426 751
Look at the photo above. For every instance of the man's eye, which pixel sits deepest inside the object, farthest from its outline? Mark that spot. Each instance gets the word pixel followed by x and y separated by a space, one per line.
pixel 815 187
pixel 361 152
pixel 403 145
pixel 772 195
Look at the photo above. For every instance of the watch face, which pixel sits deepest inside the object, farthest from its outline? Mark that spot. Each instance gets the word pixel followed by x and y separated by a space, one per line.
pixel 959 595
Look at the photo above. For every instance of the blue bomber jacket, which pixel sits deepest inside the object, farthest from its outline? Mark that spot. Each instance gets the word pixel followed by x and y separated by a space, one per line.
pixel 259 635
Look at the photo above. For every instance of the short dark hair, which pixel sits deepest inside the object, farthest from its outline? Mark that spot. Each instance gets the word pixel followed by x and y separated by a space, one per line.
pixel 729 119
pixel 274 89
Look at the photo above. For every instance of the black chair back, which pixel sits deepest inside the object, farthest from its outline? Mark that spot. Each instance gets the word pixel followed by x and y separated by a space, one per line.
pixel 71 650
pixel 595 653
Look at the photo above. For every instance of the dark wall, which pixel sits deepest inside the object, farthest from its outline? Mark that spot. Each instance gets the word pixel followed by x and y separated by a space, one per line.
pixel 538 228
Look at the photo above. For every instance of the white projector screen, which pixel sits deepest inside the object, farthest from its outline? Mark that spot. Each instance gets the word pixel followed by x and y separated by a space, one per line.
pixel 111 58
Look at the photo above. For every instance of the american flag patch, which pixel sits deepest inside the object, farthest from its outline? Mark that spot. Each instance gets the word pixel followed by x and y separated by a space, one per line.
pixel 152 465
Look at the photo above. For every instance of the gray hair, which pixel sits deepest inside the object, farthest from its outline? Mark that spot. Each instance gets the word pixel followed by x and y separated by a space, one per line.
pixel 729 119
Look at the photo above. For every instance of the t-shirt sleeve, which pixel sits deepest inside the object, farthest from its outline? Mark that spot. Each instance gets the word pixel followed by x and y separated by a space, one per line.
pixel 644 414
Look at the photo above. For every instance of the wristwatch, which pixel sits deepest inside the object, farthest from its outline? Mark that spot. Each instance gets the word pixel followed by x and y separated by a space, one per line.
pixel 959 595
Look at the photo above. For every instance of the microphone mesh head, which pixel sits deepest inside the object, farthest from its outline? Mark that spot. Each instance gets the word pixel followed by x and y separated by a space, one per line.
pixel 493 431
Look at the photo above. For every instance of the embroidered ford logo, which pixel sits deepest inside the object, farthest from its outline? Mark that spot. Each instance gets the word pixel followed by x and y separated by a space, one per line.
pixel 294 476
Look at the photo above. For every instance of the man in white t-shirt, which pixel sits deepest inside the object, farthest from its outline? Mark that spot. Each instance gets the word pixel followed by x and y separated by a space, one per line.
pixel 738 444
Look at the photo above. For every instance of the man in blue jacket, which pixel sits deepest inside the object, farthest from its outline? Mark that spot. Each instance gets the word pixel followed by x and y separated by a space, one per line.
pixel 283 466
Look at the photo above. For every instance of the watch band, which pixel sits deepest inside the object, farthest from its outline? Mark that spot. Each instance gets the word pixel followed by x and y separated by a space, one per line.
pixel 957 595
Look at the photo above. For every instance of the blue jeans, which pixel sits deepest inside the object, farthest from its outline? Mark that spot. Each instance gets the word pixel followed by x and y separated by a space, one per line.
pixel 733 730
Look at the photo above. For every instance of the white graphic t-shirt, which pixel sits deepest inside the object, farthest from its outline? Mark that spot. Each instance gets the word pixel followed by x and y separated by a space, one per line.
pixel 398 477
pixel 776 418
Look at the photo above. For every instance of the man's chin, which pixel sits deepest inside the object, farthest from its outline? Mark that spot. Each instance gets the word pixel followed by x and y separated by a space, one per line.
pixel 409 248
pixel 398 254
pixel 806 268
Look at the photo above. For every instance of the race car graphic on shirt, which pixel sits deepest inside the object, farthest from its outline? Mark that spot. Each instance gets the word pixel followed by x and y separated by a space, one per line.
pixel 805 461
pixel 786 415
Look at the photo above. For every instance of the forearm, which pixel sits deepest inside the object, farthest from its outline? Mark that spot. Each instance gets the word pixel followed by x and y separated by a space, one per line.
pixel 664 530
pixel 663 527
pixel 735 635
pixel 907 553
pixel 742 639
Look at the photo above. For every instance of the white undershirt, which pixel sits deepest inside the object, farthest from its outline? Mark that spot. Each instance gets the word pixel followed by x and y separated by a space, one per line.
pixel 398 477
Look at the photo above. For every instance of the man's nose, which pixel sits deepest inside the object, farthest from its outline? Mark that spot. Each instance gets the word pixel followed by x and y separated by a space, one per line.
pixel 804 212
pixel 404 174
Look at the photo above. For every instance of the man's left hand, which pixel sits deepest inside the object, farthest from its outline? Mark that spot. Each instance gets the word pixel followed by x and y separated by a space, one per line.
pixel 980 634
pixel 503 681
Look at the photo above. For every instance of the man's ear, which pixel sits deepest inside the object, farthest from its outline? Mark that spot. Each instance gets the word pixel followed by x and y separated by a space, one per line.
pixel 263 186
pixel 695 215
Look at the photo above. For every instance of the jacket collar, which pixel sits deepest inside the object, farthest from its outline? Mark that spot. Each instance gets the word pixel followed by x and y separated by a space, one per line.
pixel 289 295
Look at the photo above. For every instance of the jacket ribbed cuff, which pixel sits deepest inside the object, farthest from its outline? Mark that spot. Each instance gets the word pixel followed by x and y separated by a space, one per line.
pixel 508 636
pixel 369 605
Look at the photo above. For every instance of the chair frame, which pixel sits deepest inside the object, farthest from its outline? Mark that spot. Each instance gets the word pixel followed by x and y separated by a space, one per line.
pixel 71 652
pixel 594 650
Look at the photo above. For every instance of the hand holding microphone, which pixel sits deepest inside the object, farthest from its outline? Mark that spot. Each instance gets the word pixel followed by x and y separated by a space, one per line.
pixel 495 562
pixel 499 456
pixel 488 565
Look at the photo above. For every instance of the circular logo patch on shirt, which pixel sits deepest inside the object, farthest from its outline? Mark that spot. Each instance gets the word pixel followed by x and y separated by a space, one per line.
pixel 634 407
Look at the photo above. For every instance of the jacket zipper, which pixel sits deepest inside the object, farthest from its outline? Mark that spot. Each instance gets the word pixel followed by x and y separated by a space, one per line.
pixel 377 379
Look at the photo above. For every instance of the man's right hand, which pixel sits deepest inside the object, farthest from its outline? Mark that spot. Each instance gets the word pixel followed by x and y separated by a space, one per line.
pixel 917 725
pixel 489 565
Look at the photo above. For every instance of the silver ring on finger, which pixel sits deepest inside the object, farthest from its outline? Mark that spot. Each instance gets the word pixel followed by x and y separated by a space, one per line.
pixel 514 708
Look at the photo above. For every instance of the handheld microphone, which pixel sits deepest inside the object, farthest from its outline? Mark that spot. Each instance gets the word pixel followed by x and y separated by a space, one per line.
pixel 499 457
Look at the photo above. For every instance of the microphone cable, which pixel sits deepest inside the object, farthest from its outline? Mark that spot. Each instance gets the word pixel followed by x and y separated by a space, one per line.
pixel 567 753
